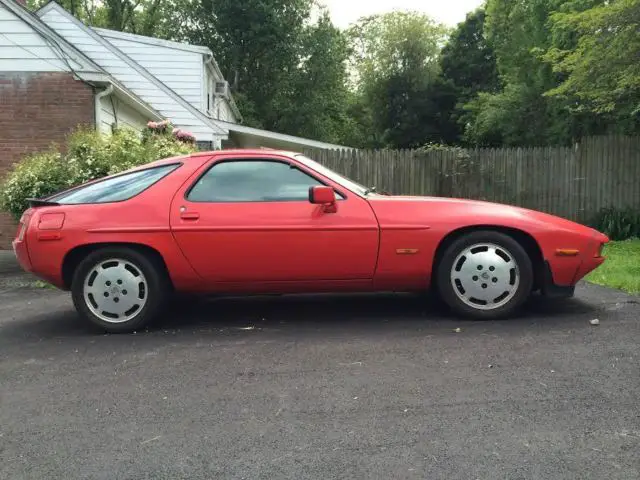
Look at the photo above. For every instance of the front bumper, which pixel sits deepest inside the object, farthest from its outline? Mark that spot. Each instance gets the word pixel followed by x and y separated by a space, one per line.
pixel 550 289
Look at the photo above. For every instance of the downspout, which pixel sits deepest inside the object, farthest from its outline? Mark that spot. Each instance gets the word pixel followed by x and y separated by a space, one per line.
pixel 214 64
pixel 212 61
pixel 209 60
pixel 106 92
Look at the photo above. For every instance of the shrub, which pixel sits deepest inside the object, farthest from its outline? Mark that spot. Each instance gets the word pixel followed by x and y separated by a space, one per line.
pixel 618 224
pixel 89 155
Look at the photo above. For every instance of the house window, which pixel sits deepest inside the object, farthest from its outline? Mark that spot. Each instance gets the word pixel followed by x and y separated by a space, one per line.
pixel 204 146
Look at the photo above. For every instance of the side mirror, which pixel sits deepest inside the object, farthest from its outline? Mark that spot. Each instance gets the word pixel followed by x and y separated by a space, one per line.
pixel 323 196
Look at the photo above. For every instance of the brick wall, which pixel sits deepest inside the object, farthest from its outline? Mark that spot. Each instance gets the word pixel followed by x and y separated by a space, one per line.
pixel 37 109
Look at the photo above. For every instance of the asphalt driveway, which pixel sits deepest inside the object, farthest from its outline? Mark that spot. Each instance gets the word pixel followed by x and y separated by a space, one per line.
pixel 322 387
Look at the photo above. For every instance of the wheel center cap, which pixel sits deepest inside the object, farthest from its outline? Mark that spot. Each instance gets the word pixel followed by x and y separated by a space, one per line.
pixel 114 290
pixel 485 275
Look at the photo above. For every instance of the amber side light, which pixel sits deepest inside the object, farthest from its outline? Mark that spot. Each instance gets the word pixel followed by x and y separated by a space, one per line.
pixel 567 252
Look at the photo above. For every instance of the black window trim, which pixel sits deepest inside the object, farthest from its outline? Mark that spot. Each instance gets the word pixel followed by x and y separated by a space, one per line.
pixel 110 177
pixel 260 159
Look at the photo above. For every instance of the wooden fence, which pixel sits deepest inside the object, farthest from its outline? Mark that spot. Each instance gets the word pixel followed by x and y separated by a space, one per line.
pixel 572 182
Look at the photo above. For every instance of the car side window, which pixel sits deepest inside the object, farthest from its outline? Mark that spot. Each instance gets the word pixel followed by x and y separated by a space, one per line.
pixel 252 181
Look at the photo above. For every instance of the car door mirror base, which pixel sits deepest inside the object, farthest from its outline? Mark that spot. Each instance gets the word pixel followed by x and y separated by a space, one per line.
pixel 325 196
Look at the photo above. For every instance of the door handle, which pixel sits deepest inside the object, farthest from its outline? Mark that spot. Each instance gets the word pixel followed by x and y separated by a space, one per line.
pixel 189 215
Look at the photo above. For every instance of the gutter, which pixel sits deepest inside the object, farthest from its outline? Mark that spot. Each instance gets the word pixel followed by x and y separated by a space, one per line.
pixel 282 137
pixel 106 92
pixel 212 61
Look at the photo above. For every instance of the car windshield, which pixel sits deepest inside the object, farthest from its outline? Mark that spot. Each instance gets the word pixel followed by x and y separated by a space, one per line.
pixel 331 175
pixel 114 189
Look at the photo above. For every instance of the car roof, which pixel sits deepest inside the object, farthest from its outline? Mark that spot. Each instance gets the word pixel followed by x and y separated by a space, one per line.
pixel 210 153
pixel 245 151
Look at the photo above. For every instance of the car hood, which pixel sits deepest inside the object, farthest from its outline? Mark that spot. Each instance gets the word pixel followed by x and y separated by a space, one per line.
pixel 472 212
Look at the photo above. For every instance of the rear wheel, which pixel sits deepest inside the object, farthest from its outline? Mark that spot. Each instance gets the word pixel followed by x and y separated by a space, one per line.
pixel 119 289
pixel 484 275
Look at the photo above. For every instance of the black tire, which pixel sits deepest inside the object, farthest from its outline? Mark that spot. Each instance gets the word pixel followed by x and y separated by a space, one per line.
pixel 157 288
pixel 512 247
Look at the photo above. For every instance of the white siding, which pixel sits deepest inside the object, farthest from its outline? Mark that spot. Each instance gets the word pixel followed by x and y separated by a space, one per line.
pixel 113 111
pixel 180 70
pixel 218 108
pixel 223 111
pixel 22 49
pixel 144 88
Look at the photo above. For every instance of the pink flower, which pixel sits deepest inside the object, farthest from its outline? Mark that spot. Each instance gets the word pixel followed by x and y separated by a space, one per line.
pixel 184 136
pixel 159 126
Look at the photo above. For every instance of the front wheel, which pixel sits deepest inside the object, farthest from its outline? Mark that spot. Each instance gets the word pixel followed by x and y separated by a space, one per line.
pixel 118 289
pixel 485 275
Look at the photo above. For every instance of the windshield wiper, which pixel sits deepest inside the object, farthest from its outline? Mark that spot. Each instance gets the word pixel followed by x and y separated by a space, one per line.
pixel 370 190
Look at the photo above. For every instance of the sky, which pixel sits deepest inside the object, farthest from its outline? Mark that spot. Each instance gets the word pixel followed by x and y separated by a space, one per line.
pixel 449 12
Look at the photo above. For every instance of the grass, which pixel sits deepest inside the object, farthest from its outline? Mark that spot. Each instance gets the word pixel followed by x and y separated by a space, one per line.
pixel 621 270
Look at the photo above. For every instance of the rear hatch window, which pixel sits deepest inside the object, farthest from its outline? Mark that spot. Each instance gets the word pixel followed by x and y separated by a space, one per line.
pixel 113 189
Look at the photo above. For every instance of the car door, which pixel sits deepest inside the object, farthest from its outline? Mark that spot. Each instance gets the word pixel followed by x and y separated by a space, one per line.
pixel 250 220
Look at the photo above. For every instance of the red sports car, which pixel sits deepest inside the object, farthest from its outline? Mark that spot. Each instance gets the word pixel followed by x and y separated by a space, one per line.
pixel 261 221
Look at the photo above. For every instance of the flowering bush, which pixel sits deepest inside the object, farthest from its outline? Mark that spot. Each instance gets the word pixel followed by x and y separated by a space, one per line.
pixel 89 155
pixel 184 136
pixel 166 128
pixel 160 127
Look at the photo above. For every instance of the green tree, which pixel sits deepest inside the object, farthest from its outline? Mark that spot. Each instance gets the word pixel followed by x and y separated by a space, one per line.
pixel 288 73
pixel 468 67
pixel 601 68
pixel 395 59
pixel 317 106
pixel 360 131
pixel 468 60
pixel 143 17
pixel 519 114
pixel 258 44
pixel 521 34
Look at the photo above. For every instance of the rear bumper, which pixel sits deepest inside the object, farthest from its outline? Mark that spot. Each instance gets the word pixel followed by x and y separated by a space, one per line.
pixel 20 249
pixel 22 254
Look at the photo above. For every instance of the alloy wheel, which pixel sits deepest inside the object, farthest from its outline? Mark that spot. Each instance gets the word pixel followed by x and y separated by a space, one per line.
pixel 115 290
pixel 485 276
